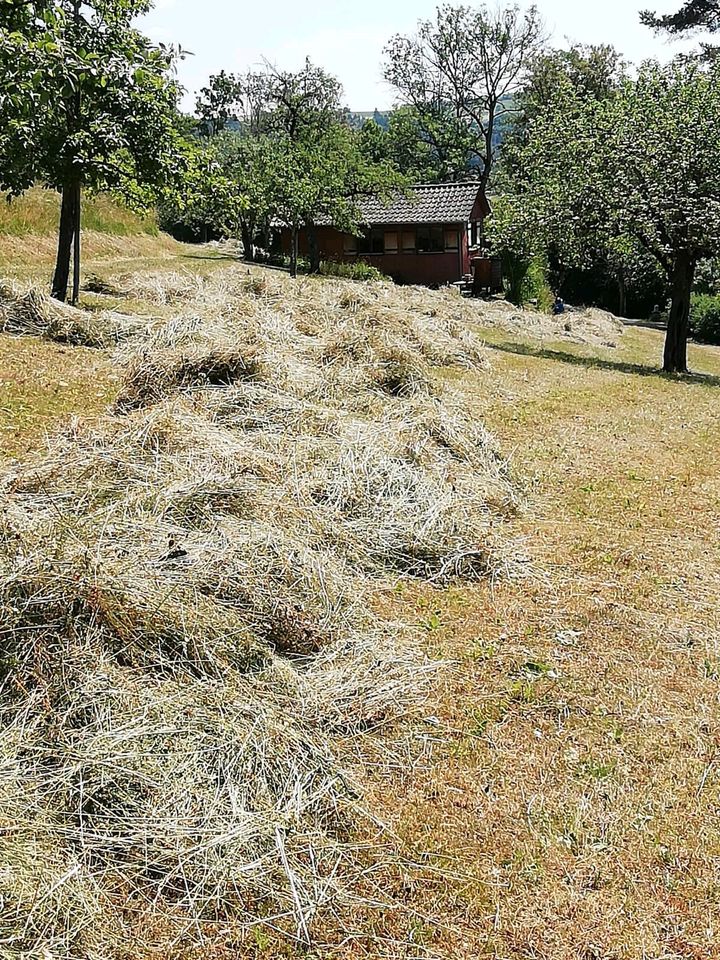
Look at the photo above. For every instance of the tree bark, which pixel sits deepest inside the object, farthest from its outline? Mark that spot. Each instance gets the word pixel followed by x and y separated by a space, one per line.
pixel 66 234
pixel 76 245
pixel 294 242
pixel 622 296
pixel 246 234
pixel 683 274
pixel 313 249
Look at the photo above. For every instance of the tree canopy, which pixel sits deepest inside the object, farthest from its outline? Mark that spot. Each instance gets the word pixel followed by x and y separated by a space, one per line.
pixel 85 100
pixel 693 15
pixel 634 174
pixel 277 147
pixel 458 73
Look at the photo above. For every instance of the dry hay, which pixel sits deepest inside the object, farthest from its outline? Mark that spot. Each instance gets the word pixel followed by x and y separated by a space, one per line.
pixel 190 652
pixel 578 324
pixel 161 287
pixel 26 311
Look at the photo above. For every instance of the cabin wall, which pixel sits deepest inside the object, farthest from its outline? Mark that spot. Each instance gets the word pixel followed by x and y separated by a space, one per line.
pixel 425 269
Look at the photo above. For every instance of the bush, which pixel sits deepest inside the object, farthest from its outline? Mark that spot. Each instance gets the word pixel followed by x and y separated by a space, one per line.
pixel 705 318
pixel 351 271
pixel 536 287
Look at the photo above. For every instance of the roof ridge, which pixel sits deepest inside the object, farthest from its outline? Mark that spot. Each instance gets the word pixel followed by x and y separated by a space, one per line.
pixel 448 183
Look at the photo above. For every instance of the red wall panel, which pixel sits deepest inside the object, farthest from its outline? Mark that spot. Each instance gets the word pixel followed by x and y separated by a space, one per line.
pixel 425 269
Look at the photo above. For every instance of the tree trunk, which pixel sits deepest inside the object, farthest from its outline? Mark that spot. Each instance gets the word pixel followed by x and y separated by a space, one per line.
pixel 66 235
pixel 622 296
pixel 69 231
pixel 294 243
pixel 247 238
pixel 76 245
pixel 313 249
pixel 683 273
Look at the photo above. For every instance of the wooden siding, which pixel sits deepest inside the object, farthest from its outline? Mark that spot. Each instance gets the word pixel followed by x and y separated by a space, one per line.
pixel 431 269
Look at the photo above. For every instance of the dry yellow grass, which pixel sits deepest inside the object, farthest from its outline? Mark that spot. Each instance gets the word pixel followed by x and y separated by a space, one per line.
pixel 562 798
pixel 42 383
pixel 572 794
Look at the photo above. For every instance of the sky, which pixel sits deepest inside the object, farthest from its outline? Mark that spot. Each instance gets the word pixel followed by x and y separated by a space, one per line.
pixel 347 38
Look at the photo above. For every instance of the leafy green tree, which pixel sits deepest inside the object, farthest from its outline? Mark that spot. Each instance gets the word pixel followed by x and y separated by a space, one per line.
pixel 693 15
pixel 292 158
pixel 322 179
pixel 458 73
pixel 639 171
pixel 278 116
pixel 231 99
pixel 516 234
pixel 85 101
pixel 592 72
pixel 423 157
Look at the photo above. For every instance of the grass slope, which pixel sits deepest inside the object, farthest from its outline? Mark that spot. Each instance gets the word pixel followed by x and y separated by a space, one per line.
pixel 38 213
pixel 112 237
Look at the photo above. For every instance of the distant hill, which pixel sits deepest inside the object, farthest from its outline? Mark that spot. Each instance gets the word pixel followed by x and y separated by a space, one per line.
pixel 356 118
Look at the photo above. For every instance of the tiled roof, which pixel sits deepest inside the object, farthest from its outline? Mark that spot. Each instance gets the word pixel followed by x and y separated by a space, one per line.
pixel 423 203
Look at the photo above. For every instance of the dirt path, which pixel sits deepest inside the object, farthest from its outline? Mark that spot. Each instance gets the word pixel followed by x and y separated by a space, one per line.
pixel 571 804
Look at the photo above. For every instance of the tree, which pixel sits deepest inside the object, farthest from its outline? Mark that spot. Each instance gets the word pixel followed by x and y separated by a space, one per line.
pixel 292 157
pixel 592 72
pixel 641 166
pixel 279 118
pixel 585 258
pixel 424 157
pixel 693 15
pixel 323 179
pixel 516 235
pixel 85 101
pixel 458 73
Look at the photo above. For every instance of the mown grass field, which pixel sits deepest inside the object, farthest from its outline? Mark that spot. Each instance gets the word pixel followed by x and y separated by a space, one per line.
pixel 564 799
pixel 574 783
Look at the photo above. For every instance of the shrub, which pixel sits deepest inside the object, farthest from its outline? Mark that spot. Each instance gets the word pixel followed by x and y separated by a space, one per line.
pixel 705 318
pixel 536 287
pixel 351 271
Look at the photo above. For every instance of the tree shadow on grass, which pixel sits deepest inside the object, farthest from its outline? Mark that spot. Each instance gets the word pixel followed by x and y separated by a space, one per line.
pixel 218 258
pixel 598 363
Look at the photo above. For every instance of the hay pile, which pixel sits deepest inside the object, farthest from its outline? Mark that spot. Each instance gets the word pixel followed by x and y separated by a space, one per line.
pixel 162 287
pixel 577 325
pixel 26 311
pixel 189 646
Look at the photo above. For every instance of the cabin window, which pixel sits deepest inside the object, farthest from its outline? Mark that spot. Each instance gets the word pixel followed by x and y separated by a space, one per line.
pixel 372 241
pixel 452 239
pixel 474 238
pixel 391 241
pixel 408 241
pixel 430 239
pixel 350 244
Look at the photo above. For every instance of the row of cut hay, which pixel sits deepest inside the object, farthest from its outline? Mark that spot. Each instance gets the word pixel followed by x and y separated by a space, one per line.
pixel 32 313
pixel 188 635
pixel 577 324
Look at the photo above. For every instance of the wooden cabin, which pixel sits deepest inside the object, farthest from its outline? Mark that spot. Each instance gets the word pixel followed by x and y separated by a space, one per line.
pixel 428 236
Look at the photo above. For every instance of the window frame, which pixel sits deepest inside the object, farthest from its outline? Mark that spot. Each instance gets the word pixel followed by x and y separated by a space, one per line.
pixel 435 237
pixel 408 233
pixel 450 230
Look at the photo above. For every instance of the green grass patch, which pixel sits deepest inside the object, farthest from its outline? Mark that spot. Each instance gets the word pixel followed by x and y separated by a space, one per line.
pixel 37 213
